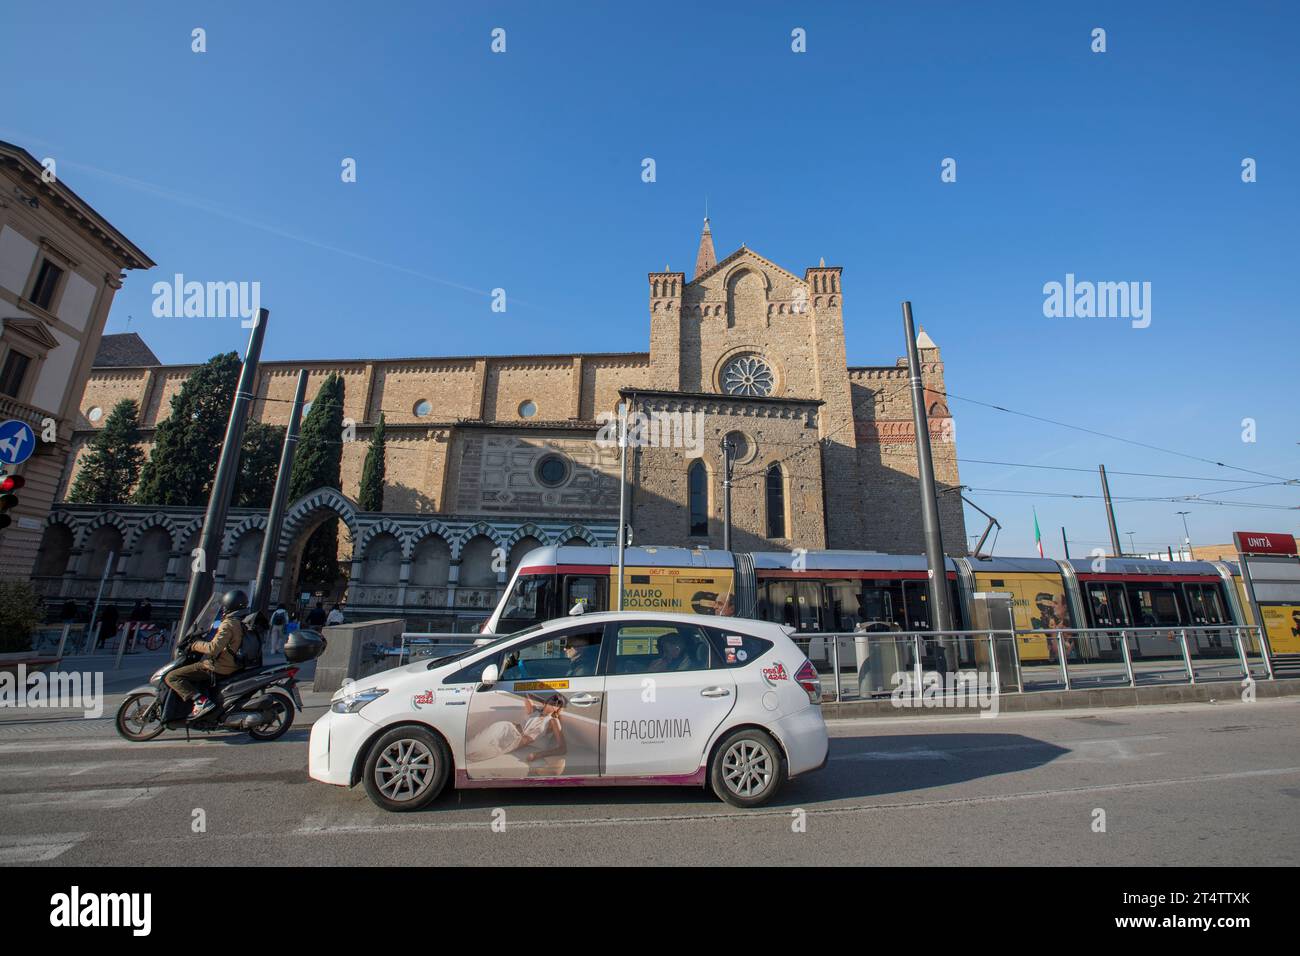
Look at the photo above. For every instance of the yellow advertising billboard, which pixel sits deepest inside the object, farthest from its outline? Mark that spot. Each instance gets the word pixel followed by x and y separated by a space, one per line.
pixel 1037 601
pixel 676 590
pixel 1282 625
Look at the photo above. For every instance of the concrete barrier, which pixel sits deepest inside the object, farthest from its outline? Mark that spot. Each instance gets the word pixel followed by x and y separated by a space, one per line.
pixel 1089 698
pixel 353 651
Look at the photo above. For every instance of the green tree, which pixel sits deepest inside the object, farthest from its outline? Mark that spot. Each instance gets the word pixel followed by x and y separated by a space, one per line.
pixel 20 612
pixel 112 466
pixel 371 495
pixel 188 442
pixel 318 464
pixel 259 463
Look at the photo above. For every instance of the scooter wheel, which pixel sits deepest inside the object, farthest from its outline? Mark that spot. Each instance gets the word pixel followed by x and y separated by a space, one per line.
pixel 279 724
pixel 138 718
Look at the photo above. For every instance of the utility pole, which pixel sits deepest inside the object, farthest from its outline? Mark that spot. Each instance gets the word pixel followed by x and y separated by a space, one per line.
pixel 1187 535
pixel 279 501
pixel 622 497
pixel 214 521
pixel 1133 548
pixel 726 493
pixel 939 595
pixel 1066 542
pixel 1115 549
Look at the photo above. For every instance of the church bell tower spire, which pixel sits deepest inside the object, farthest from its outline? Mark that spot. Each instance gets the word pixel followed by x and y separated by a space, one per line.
pixel 705 259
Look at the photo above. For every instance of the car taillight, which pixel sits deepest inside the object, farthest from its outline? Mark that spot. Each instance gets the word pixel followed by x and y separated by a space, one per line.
pixel 807 678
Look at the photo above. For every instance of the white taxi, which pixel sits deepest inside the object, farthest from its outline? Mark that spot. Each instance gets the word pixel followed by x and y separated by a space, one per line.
pixel 610 699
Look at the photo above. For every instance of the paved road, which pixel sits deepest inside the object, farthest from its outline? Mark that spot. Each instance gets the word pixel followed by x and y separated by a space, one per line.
pixel 1199 784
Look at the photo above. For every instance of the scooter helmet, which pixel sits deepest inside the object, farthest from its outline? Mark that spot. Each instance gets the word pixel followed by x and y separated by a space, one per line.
pixel 233 601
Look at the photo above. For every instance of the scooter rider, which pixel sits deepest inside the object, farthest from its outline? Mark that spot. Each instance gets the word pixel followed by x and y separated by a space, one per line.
pixel 218 655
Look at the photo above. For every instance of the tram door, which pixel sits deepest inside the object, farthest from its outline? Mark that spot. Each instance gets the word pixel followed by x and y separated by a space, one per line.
pixel 1205 608
pixel 1109 606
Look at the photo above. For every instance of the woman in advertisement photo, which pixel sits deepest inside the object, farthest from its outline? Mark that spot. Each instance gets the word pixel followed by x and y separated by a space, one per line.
pixel 537 739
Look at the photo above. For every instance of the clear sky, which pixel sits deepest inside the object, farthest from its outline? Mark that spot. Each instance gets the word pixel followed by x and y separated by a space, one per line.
pixel 523 171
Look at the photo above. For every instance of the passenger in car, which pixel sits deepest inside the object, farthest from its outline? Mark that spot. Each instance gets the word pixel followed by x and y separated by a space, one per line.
pixel 672 654
pixel 582 651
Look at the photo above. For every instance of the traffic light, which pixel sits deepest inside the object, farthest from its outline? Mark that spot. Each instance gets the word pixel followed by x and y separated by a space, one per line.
pixel 8 500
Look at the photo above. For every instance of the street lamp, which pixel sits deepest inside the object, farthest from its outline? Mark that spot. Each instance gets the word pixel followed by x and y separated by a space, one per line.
pixel 1187 537
pixel 1131 546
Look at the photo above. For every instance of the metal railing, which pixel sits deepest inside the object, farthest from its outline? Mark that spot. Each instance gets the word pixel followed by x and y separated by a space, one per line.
pixel 865 665
pixel 415 646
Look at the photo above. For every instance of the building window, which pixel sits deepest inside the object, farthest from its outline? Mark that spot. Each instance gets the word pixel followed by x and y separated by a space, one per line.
pixel 95 414
pixel 742 448
pixel 15 370
pixel 697 480
pixel 552 471
pixel 423 408
pixel 47 281
pixel 775 502
pixel 527 409
pixel 748 375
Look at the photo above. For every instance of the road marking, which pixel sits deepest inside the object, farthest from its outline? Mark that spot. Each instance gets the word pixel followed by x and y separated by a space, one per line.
pixel 37 849
pixel 899 755
pixel 317 826
pixel 81 799
pixel 74 744
pixel 81 769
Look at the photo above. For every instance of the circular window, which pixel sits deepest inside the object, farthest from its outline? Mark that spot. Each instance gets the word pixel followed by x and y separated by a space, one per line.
pixel 552 470
pixel 742 447
pixel 422 408
pixel 527 409
pixel 748 375
pixel 95 414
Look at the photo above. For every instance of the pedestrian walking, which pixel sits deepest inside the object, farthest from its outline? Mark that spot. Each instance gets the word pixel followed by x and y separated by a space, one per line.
pixel 279 621
pixel 335 616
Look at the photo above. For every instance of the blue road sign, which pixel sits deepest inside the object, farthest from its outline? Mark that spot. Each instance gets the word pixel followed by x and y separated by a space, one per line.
pixel 17 442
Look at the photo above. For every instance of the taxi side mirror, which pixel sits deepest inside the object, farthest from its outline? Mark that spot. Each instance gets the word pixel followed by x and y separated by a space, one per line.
pixel 490 676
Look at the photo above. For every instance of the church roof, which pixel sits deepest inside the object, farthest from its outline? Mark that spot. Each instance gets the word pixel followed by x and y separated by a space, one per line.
pixel 123 350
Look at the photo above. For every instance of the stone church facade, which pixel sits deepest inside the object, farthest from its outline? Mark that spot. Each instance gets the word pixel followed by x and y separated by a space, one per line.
pixel 824 452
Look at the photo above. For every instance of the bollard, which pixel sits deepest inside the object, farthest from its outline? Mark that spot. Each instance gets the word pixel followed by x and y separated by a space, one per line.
pixel 1241 652
pixel 916 664
pixel 993 666
pixel 121 644
pixel 1187 657
pixel 835 663
pixel 1128 658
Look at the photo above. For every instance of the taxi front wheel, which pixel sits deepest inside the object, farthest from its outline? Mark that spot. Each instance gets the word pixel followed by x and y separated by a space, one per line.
pixel 747 769
pixel 406 769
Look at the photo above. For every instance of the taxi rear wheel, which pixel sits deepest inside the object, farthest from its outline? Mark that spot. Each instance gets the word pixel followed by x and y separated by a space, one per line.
pixel 406 769
pixel 747 769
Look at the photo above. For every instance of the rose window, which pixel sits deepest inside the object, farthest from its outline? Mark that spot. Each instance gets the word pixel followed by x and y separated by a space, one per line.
pixel 748 375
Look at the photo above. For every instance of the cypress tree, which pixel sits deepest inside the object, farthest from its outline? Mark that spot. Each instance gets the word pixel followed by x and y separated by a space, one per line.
pixel 259 463
pixel 188 442
pixel 371 496
pixel 112 466
pixel 318 464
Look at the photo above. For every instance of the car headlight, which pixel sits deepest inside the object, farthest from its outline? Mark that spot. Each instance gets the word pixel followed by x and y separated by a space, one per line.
pixel 351 703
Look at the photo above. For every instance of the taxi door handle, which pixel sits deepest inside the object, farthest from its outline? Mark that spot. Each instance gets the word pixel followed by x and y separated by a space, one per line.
pixel 714 692
pixel 584 700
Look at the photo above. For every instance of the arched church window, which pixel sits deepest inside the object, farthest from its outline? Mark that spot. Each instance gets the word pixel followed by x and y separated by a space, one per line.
pixel 775 502
pixel 748 375
pixel 697 480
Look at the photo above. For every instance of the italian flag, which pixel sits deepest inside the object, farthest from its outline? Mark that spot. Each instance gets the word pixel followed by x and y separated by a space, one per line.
pixel 1038 535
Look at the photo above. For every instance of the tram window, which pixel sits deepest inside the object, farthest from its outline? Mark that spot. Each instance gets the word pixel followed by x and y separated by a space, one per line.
pixel 795 604
pixel 1156 607
pixel 876 609
pixel 917 603
pixel 843 606
pixel 529 602
pixel 589 591
pixel 1204 604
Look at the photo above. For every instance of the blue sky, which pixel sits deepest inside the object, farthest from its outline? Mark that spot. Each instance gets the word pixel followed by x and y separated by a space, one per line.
pixel 523 171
